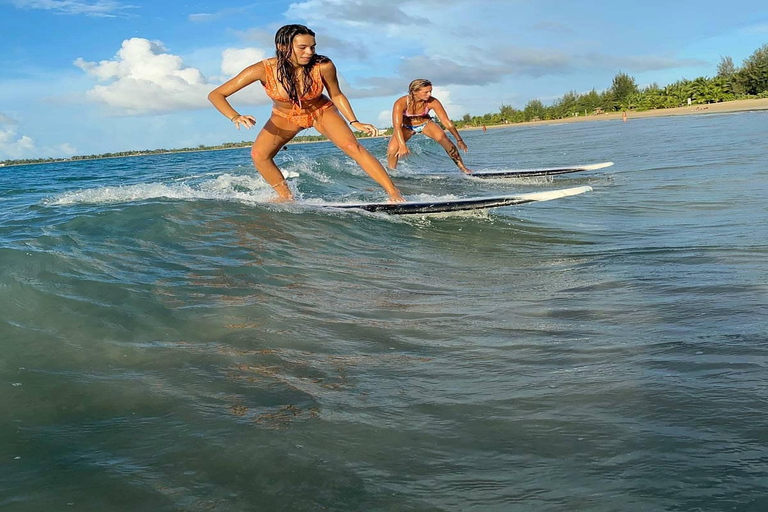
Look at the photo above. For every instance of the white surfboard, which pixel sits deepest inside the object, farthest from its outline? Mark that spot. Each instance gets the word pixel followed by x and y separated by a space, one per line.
pixel 455 205
pixel 544 171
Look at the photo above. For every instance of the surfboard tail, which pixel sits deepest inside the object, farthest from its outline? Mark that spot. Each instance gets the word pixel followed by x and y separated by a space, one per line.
pixel 549 195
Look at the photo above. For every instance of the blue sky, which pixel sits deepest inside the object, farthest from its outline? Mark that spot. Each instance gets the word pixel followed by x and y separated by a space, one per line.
pixel 93 76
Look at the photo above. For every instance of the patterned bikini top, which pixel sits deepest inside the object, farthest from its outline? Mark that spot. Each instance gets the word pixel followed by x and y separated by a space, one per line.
pixel 423 114
pixel 274 91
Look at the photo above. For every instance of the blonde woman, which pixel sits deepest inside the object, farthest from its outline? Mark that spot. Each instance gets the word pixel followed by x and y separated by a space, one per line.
pixel 410 115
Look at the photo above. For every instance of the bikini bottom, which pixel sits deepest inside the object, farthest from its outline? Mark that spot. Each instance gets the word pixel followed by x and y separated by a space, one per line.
pixel 415 129
pixel 302 117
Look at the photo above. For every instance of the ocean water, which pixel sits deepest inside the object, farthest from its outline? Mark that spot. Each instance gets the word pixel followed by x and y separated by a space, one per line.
pixel 171 341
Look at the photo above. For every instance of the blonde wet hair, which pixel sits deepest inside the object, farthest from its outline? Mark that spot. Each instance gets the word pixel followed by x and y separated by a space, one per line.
pixel 417 84
pixel 414 86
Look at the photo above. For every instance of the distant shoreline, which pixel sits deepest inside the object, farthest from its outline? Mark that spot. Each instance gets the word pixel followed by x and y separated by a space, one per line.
pixel 711 108
pixel 724 107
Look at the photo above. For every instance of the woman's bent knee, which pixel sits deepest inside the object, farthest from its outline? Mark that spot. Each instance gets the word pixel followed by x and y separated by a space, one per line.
pixel 442 139
pixel 258 156
pixel 352 148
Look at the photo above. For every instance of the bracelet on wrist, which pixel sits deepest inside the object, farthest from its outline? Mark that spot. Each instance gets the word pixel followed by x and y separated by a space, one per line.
pixel 354 121
pixel 234 117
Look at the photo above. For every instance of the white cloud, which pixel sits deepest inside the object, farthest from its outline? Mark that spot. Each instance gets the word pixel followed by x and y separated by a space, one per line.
pixel 385 118
pixel 66 149
pixel 234 60
pixel 444 95
pixel 97 8
pixel 143 79
pixel 15 147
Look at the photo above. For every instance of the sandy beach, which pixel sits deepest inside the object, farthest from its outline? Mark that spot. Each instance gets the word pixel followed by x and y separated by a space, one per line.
pixel 713 108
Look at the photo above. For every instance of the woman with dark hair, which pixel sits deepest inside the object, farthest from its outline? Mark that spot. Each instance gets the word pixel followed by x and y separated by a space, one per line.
pixel 295 79
pixel 410 115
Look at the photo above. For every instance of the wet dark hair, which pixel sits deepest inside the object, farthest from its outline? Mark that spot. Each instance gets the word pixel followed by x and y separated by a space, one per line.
pixel 286 73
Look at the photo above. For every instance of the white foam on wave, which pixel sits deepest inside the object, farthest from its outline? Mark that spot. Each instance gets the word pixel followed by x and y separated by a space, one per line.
pixel 431 197
pixel 302 165
pixel 225 187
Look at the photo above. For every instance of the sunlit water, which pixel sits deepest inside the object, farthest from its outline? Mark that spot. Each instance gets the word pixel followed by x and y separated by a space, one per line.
pixel 172 341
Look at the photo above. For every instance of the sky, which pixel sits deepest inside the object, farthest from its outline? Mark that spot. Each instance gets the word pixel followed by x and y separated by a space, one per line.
pixel 82 77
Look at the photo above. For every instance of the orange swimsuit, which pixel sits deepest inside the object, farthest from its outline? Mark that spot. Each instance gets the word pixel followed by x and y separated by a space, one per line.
pixel 298 115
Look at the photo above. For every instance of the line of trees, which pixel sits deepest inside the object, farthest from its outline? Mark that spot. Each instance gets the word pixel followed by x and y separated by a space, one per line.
pixel 731 83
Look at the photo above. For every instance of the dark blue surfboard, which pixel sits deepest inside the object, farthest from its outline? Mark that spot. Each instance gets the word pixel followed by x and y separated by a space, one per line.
pixel 456 205
pixel 544 171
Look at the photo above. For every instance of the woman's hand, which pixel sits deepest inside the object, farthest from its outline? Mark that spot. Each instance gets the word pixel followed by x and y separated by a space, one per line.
pixel 246 121
pixel 365 127
pixel 403 151
pixel 462 146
